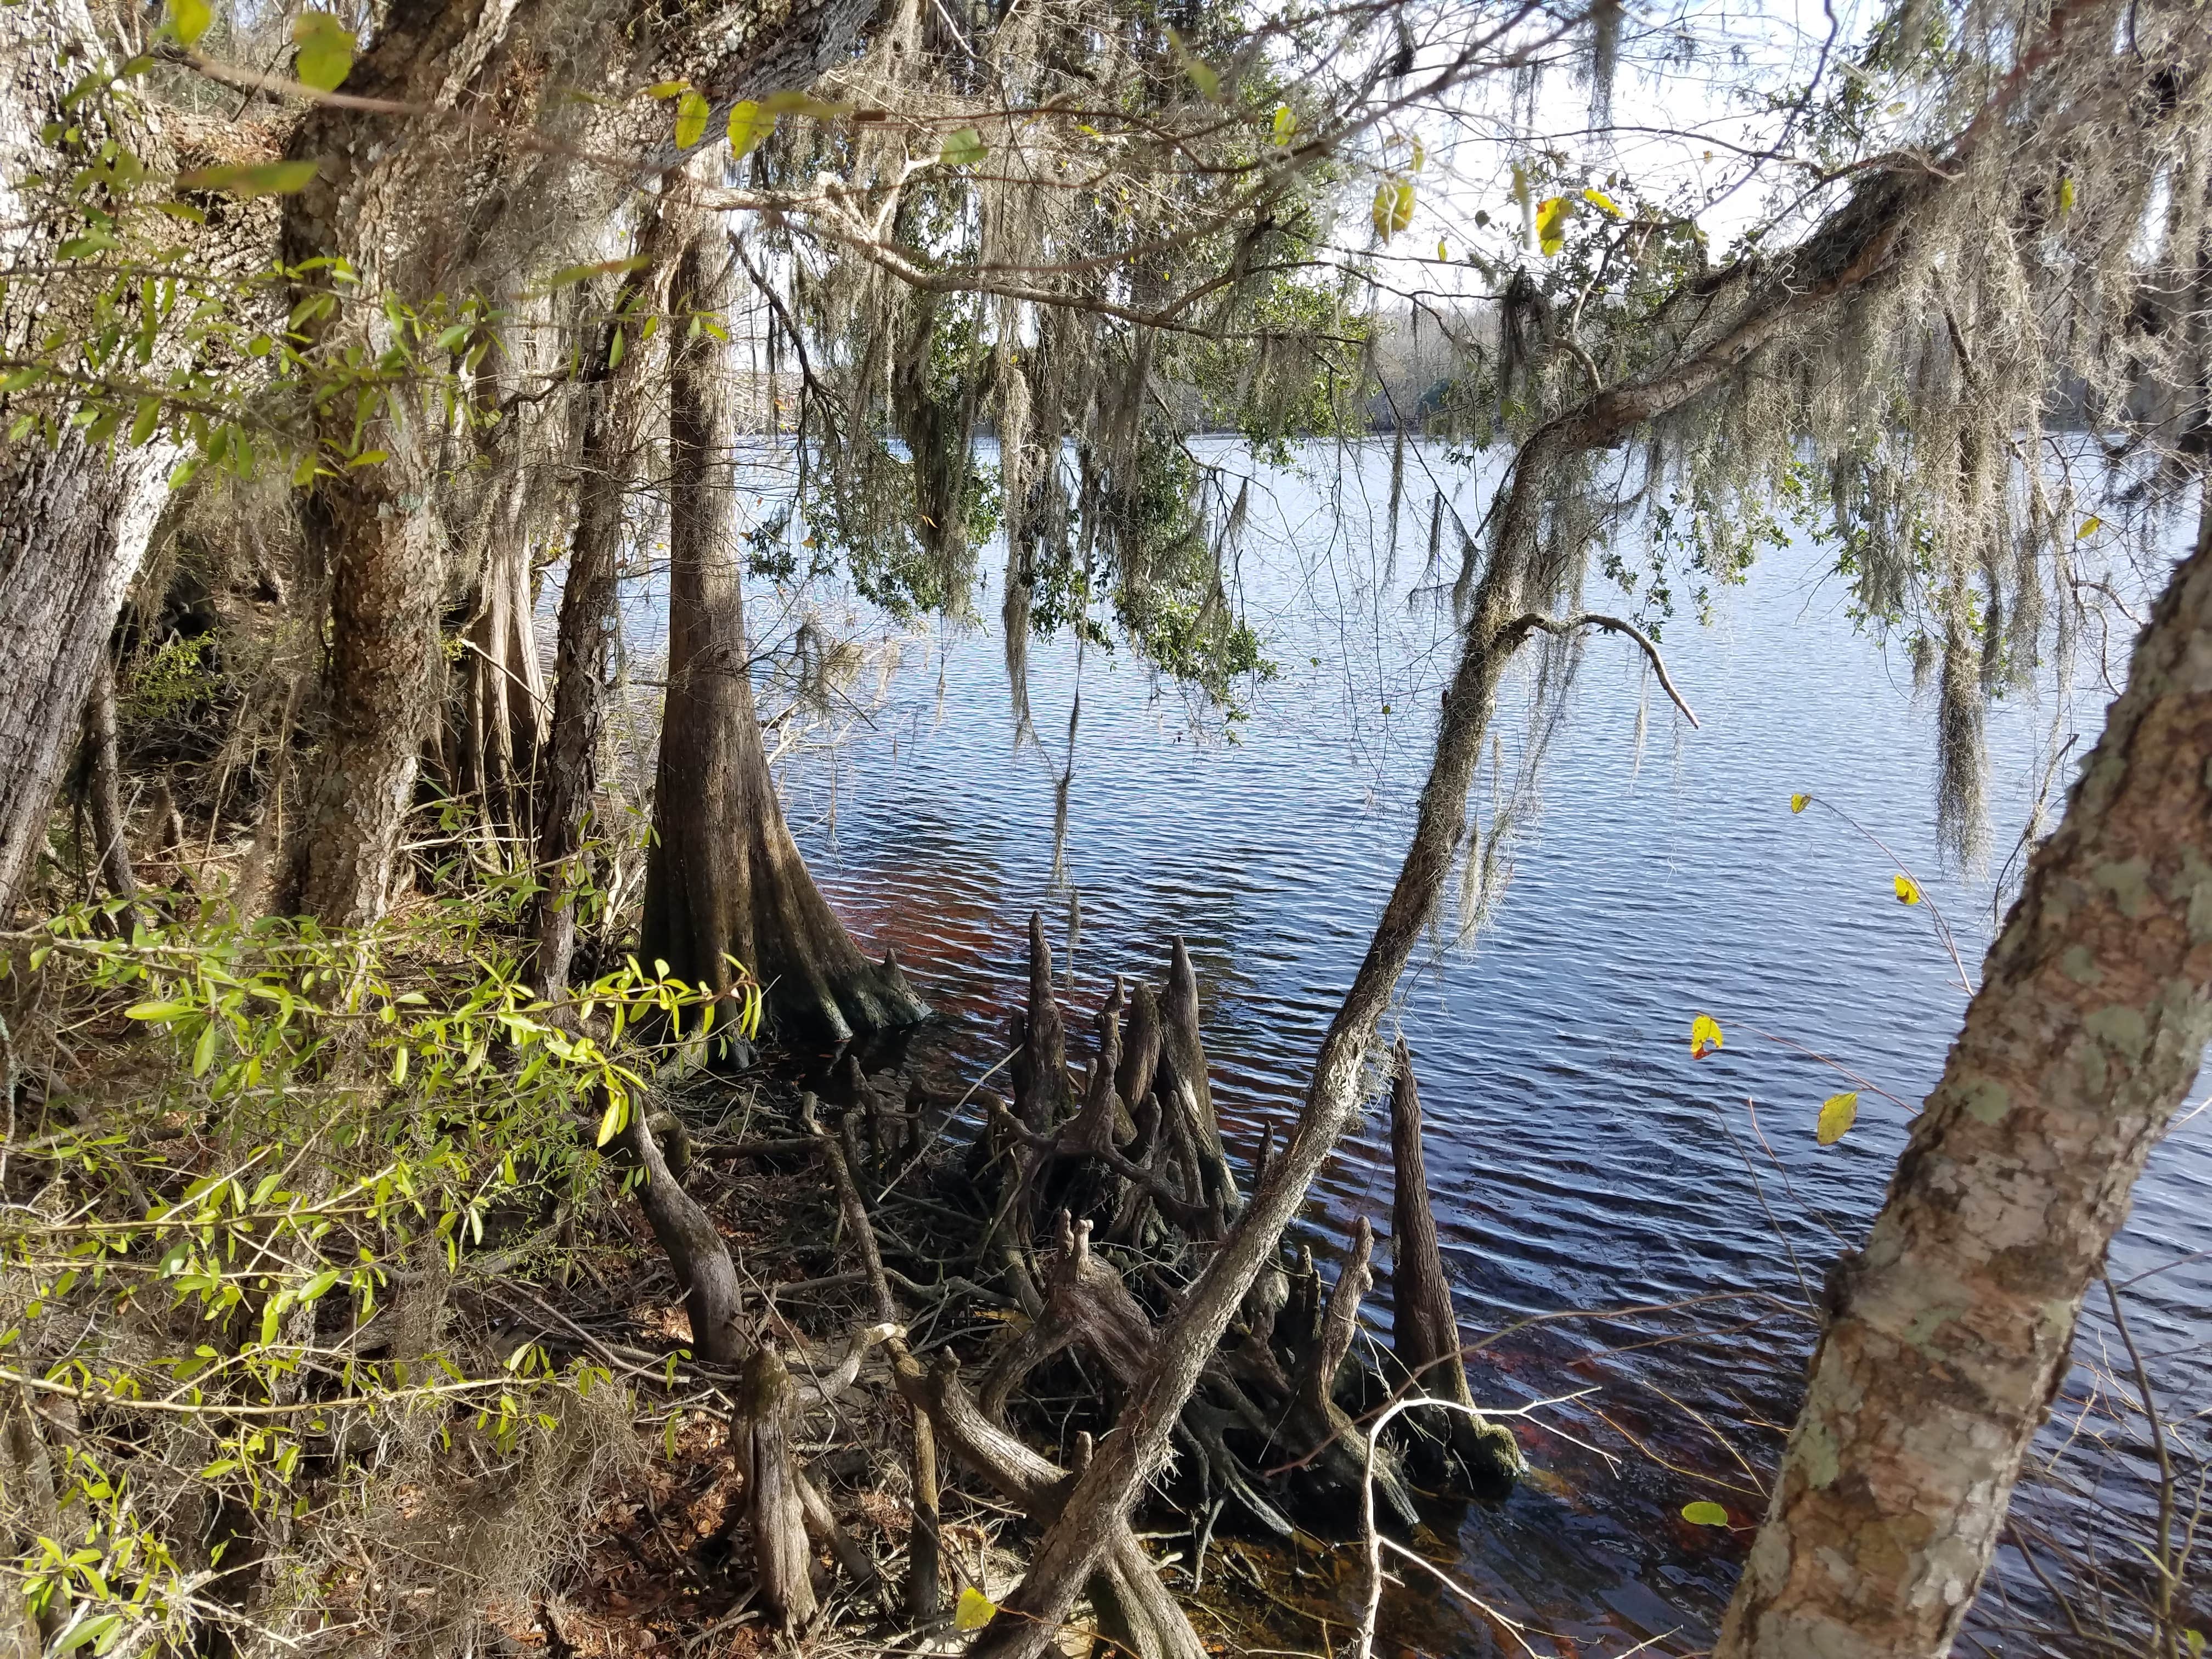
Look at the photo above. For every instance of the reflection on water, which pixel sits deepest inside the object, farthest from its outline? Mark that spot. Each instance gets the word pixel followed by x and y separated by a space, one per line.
pixel 1581 1159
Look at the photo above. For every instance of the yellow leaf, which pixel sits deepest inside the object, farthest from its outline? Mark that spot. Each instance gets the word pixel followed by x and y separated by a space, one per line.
pixel 1286 123
pixel 974 1611
pixel 2090 527
pixel 747 129
pixel 190 19
pixel 1552 223
pixel 667 88
pixel 1799 803
pixel 610 1124
pixel 1908 890
pixel 1402 207
pixel 1705 1037
pixel 1600 199
pixel 1838 1114
pixel 324 49
pixel 2066 195
pixel 1701 1513
pixel 691 113
pixel 1443 253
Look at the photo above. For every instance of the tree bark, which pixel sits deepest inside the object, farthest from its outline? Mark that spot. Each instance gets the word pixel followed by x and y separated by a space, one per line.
pixel 615 392
pixel 74 520
pixel 1949 1332
pixel 724 878
pixel 74 528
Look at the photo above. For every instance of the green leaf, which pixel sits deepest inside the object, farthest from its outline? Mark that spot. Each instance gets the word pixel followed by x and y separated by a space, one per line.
pixel 190 19
pixel 1704 1514
pixel 92 1630
pixel 963 149
pixel 1552 223
pixel 1838 1114
pixel 747 128
pixel 265 178
pixel 614 351
pixel 204 1051
pixel 569 276
pixel 143 423
pixel 156 1010
pixel 1286 123
pixel 1705 1037
pixel 324 49
pixel 399 1066
pixel 320 1285
pixel 974 1609
pixel 691 113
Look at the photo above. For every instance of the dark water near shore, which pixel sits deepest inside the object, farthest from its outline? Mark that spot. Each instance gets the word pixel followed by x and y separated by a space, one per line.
pixel 1580 1159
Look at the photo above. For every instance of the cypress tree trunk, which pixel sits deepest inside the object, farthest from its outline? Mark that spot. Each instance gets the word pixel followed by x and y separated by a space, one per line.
pixel 724 877
pixel 1950 1334
pixel 614 389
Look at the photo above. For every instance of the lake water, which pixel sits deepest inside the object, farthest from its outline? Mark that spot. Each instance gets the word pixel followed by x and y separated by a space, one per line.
pixel 1580 1160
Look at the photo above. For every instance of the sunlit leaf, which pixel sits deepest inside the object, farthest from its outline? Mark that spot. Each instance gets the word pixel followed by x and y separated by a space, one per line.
pixel 325 54
pixel 691 113
pixel 974 1610
pixel 666 89
pixel 1799 803
pixel 1202 76
pixel 190 19
pixel 1552 223
pixel 1838 1114
pixel 262 178
pixel 610 1122
pixel 1286 123
pixel 963 149
pixel 1908 890
pixel 1394 208
pixel 1704 1513
pixel 748 127
pixel 1705 1037
pixel 1598 199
